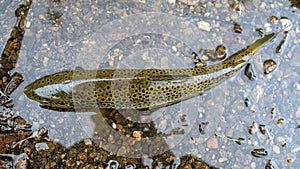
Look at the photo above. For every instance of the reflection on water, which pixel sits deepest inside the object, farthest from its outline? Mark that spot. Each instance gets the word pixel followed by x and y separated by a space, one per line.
pixel 104 34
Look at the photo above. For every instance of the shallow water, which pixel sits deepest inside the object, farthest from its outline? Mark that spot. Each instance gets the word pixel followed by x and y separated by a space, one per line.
pixel 154 34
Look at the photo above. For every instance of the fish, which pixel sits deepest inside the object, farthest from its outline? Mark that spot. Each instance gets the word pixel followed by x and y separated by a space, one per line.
pixel 139 89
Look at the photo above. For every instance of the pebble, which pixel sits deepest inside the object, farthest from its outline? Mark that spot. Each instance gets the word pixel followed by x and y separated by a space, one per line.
pixel 174 48
pixel 276 149
pixel 263 5
pixel 87 142
pixel 238 6
pixel 41 146
pixel 268 27
pixel 82 156
pixel 221 160
pixel 119 126
pixel 28 23
pixel 212 143
pixel 280 120
pixel 237 28
pixel 269 66
pixel 204 26
pixel 113 125
pixel 137 134
pixel 253 165
pixel 221 52
pixel 4 79
pixel 122 150
pixel 273 19
pixel 286 23
pixel 253 128
pixel 187 166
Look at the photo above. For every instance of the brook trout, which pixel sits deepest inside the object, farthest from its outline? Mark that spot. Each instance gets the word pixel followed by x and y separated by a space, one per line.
pixel 140 89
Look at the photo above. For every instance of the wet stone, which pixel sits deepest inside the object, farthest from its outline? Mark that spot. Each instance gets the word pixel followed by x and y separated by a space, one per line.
pixel 41 146
pixel 87 141
pixel 280 120
pixel 269 66
pixel 273 19
pixel 286 23
pixel 82 156
pixel 253 128
pixel 137 134
pixel 221 52
pixel 239 6
pixel 237 28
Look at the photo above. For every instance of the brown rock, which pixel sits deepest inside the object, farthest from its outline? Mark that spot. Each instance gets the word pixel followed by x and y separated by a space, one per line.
pixel 188 166
pixel 82 156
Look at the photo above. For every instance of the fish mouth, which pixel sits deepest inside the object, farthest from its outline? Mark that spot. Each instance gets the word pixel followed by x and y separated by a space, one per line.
pixel 29 91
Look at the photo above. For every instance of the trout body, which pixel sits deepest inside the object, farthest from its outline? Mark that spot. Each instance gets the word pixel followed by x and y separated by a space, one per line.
pixel 135 88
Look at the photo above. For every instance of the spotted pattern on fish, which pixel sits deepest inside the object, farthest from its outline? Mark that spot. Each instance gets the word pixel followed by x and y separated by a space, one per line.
pixel 135 88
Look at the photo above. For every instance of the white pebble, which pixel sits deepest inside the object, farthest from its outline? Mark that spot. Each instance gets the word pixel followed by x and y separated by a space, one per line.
pixel 276 149
pixel 286 23
pixel 114 126
pixel 28 23
pixel 172 1
pixel 204 25
pixel 263 5
pixel 174 48
pixel 221 160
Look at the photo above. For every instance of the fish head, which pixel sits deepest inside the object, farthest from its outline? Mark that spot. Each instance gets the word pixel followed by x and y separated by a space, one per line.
pixel 54 91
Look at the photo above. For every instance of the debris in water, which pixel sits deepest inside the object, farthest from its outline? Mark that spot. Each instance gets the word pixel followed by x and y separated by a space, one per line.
pixel 282 42
pixel 259 152
pixel 238 141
